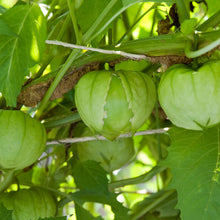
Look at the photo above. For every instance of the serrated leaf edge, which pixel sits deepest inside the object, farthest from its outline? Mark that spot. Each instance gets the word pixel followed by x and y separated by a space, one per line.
pixel 214 177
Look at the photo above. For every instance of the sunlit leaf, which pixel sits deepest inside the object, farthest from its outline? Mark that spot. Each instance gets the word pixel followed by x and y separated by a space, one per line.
pixel 194 161
pixel 19 53
pixel 5 29
pixel 88 15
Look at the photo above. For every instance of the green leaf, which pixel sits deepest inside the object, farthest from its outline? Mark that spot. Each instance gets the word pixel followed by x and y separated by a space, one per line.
pixel 183 9
pixel 119 210
pixel 5 213
pixel 91 179
pixel 162 203
pixel 213 6
pixel 5 29
pixel 19 53
pixel 194 161
pixel 83 214
pixel 90 176
pixel 188 26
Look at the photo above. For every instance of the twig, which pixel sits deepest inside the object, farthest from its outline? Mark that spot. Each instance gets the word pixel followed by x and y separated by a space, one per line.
pixel 99 137
pixel 124 54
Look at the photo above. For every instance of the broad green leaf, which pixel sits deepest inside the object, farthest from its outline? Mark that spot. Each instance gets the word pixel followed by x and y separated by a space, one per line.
pixel 5 213
pixel 194 161
pixel 83 214
pixel 5 29
pixel 119 210
pixel 90 176
pixel 8 3
pixel 19 53
pixel 91 179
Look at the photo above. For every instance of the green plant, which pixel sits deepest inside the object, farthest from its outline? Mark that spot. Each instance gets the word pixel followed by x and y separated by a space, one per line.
pixel 49 52
pixel 115 102
pixel 190 97
pixel 29 204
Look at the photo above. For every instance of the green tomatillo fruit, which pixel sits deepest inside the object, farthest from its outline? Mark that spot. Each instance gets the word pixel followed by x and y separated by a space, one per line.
pixel 191 98
pixel 111 155
pixel 29 204
pixel 115 102
pixel 22 140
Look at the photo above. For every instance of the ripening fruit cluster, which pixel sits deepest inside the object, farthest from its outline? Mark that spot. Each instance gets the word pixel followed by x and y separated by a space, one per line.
pixel 111 103
pixel 116 102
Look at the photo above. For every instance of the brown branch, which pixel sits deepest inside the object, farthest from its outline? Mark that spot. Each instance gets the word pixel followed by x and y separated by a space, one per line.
pixel 35 93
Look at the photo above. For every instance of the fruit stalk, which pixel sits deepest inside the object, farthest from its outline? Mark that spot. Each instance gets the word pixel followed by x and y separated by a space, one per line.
pixel 9 175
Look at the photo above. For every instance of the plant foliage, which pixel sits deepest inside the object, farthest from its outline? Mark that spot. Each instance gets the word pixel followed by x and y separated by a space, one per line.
pixel 158 171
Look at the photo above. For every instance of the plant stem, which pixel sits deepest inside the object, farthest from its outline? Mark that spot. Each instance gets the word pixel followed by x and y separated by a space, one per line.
pixel 50 9
pixel 192 54
pixel 149 207
pixel 135 23
pixel 137 180
pixel 154 21
pixel 125 20
pixel 183 9
pixel 88 36
pixel 211 22
pixel 74 21
pixel 68 119
pixel 158 135
pixel 7 180
pixel 56 81
pixel 53 52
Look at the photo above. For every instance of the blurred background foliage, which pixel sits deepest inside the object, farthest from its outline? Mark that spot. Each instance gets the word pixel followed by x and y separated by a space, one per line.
pixel 140 184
